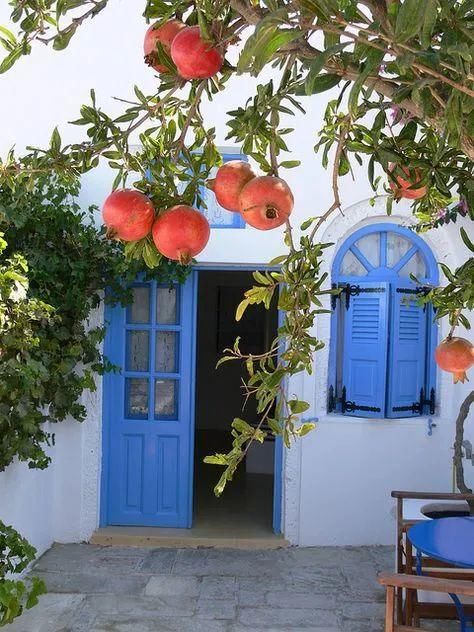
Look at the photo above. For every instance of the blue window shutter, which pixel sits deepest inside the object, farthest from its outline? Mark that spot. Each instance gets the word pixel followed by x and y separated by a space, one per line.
pixel 365 349
pixel 408 352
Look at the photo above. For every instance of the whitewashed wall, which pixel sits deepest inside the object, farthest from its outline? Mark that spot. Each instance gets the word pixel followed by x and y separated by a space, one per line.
pixel 338 480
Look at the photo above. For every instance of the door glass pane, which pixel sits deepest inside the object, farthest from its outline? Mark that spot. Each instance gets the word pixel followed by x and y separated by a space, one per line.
pixel 370 248
pixel 137 351
pixel 415 266
pixel 397 246
pixel 166 306
pixel 166 358
pixel 166 400
pixel 136 397
pixel 352 266
pixel 139 310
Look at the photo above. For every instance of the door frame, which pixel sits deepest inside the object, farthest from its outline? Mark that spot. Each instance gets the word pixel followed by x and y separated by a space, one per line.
pixel 107 384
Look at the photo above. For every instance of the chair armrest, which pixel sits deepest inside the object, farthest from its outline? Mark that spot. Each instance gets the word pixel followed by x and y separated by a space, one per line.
pixel 431 496
pixel 434 584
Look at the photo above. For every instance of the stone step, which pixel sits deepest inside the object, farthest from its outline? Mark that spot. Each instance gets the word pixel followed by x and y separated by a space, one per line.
pixel 155 537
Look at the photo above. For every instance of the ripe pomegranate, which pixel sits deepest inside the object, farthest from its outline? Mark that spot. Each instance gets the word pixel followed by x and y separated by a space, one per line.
pixel 455 355
pixel 181 233
pixel 164 34
pixel 194 57
pixel 128 215
pixel 229 182
pixel 266 202
pixel 401 188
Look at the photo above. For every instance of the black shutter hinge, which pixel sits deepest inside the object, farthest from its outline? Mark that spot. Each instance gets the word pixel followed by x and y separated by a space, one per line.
pixel 355 290
pixel 332 400
pixel 350 407
pixel 417 408
pixel 346 406
pixel 335 295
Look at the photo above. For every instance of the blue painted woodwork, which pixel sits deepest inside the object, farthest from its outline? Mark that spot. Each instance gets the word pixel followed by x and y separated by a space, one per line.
pixel 278 463
pixel 381 272
pixel 114 486
pixel 365 350
pixel 408 351
pixel 409 334
pixel 148 408
pixel 449 540
pixel 217 216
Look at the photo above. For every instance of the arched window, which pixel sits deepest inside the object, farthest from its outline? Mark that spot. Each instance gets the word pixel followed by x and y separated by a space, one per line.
pixel 382 341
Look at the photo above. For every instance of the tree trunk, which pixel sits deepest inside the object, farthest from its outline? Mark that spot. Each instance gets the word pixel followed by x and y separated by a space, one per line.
pixel 458 463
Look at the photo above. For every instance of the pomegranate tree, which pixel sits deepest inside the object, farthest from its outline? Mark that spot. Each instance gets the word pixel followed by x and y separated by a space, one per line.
pixel 128 215
pixel 266 202
pixel 455 355
pixel 164 34
pixel 195 58
pixel 229 182
pixel 180 233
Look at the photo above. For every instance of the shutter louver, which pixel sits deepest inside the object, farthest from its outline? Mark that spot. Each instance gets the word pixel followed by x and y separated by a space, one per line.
pixel 365 350
pixel 407 354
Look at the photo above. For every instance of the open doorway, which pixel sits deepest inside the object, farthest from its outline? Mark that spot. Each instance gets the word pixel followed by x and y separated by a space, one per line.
pixel 246 507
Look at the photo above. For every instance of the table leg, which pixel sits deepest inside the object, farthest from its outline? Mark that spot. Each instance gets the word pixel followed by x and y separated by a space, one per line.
pixel 460 611
pixel 419 563
pixel 459 607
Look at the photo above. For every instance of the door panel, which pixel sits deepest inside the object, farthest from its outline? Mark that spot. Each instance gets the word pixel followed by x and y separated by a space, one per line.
pixel 148 421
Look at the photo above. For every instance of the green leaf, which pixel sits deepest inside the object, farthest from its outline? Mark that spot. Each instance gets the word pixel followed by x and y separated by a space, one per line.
pixel 410 18
pixel 466 240
pixel 297 406
pixel 429 23
pixel 10 59
pixel 321 83
pixel 306 428
pixel 8 34
pixel 62 40
pixel 262 46
pixel 55 141
pixel 241 309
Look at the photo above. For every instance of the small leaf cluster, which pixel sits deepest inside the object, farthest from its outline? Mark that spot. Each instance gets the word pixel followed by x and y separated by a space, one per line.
pixel 15 555
pixel 297 287
pixel 43 21
pixel 457 295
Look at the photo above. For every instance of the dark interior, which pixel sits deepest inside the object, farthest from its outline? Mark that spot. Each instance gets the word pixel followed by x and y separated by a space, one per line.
pixel 247 502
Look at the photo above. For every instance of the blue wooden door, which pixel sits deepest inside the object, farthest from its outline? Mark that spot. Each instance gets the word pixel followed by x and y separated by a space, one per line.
pixel 148 408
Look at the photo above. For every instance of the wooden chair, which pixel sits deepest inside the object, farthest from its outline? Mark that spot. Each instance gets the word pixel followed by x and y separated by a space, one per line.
pixel 396 582
pixel 409 608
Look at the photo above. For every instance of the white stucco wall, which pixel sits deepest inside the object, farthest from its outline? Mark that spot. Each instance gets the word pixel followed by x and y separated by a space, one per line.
pixel 337 480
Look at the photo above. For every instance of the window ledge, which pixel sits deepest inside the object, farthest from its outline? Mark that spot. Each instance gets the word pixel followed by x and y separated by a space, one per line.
pixel 404 421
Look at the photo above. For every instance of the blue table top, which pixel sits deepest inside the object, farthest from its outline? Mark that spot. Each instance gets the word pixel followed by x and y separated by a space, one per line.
pixel 446 539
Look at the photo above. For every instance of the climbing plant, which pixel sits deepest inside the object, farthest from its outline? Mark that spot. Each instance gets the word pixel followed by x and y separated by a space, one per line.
pixel 54 266
pixel 405 109
pixel 15 555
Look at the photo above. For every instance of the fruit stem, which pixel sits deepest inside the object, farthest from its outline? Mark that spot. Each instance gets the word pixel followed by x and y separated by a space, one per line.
pixel 184 257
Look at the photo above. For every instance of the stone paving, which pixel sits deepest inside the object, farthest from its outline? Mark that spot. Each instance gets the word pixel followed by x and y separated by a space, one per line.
pixel 111 589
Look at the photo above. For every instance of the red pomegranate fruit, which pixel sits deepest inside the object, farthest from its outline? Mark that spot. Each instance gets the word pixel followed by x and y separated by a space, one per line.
pixel 401 188
pixel 229 182
pixel 164 34
pixel 455 355
pixel 194 57
pixel 180 233
pixel 128 215
pixel 266 202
